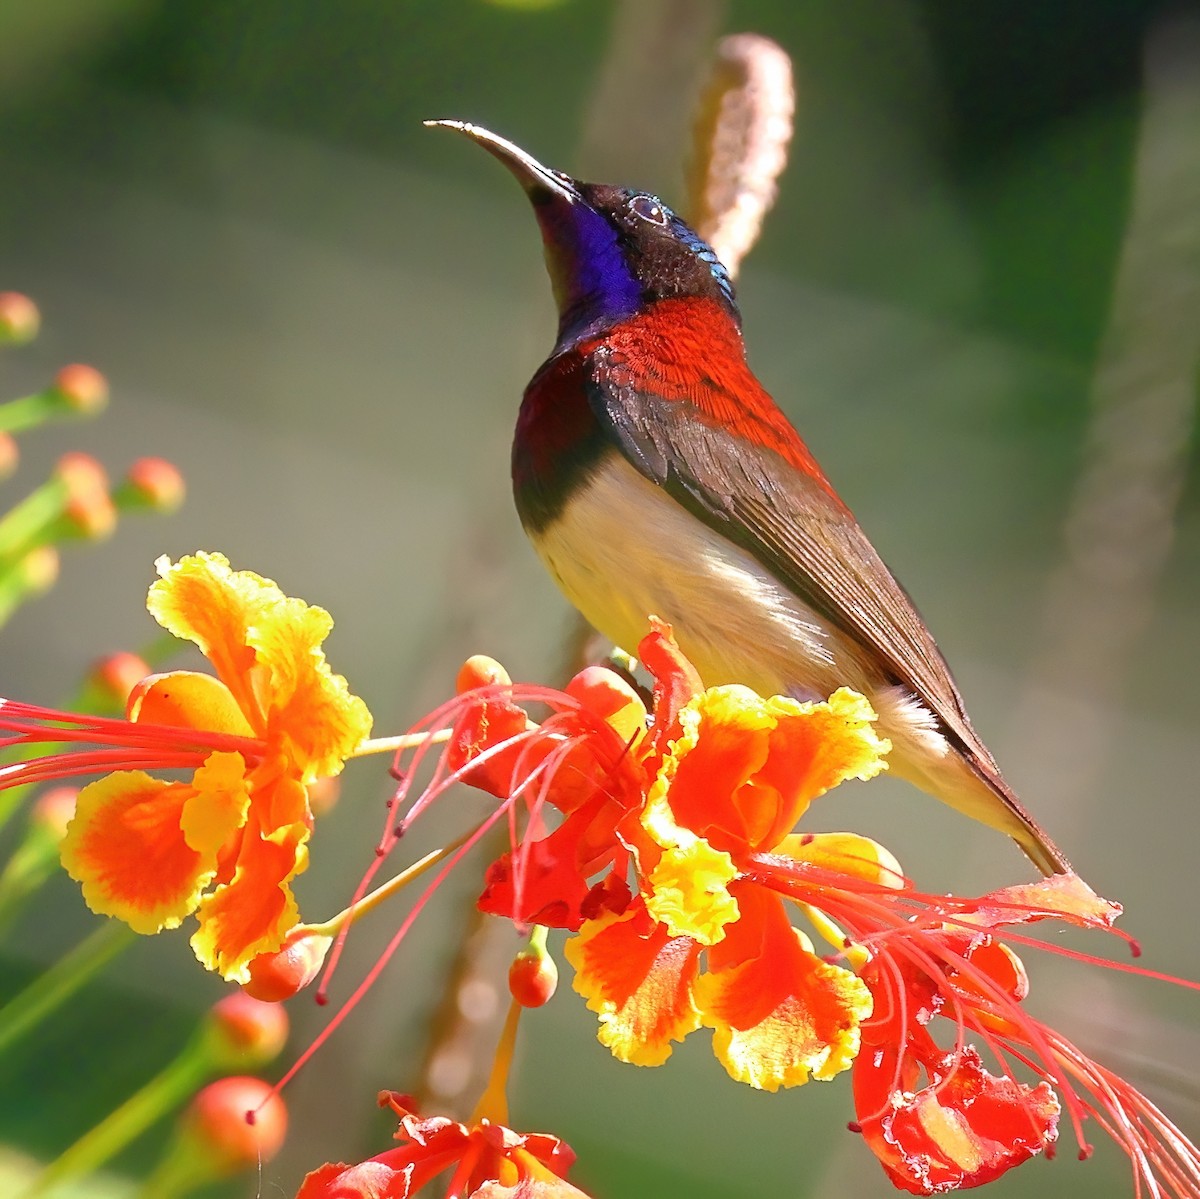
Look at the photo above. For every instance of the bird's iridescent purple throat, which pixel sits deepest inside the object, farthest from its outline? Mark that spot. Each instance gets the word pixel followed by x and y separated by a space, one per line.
pixel 595 237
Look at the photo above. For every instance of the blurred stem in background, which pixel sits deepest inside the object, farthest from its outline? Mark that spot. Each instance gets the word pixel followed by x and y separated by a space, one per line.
pixel 1121 519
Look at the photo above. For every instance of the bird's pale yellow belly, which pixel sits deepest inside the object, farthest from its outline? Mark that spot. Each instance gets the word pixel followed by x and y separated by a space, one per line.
pixel 622 551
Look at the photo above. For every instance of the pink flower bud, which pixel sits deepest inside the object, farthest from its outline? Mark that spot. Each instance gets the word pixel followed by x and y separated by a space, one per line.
pixel 88 508
pixel 247 1031
pixel 19 318
pixel 235 1123
pixel 154 483
pixel 113 678
pixel 39 569
pixel 532 977
pixel 53 809
pixel 83 388
pixel 10 455
pixel 280 975
pixel 323 795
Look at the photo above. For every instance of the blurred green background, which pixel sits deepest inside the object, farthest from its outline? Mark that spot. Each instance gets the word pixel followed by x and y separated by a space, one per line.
pixel 325 315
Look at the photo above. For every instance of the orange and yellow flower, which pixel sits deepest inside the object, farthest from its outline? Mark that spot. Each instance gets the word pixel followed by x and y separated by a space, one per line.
pixel 225 843
pixel 686 800
pixel 732 782
pixel 485 1159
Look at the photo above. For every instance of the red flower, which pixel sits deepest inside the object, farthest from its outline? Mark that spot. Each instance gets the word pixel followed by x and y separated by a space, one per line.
pixel 486 1159
pixel 935 1118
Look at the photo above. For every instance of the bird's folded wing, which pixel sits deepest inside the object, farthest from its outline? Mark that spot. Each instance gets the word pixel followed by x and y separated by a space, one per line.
pixel 794 526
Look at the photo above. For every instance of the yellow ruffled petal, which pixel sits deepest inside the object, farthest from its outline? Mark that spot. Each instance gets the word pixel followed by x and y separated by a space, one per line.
pixel 265 648
pixel 220 803
pixel 201 599
pixel 312 712
pixel 689 885
pixel 127 849
pixel 639 982
pixel 779 1014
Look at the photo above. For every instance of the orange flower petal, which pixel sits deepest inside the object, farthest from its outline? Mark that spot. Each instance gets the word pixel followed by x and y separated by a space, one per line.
pixel 126 847
pixel 319 722
pixel 816 746
pixel 778 1012
pixel 255 910
pixel 744 768
pixel 187 699
pixel 639 981
pixel 200 599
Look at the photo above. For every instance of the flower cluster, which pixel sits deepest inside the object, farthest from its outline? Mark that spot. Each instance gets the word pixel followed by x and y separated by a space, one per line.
pixel 676 867
pixel 660 834
pixel 485 1159
pixel 226 843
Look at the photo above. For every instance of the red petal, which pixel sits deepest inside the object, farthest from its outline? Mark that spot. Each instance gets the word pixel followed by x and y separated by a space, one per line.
pixel 965 1128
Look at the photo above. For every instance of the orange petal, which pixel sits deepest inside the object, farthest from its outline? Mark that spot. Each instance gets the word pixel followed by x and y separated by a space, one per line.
pixel 639 981
pixel 200 599
pixel 778 1012
pixel 187 699
pixel 816 746
pixel 722 745
pixel 126 846
pixel 743 769
pixel 312 711
pixel 254 911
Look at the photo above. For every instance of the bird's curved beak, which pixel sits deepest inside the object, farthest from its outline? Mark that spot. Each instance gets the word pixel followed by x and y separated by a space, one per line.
pixel 540 182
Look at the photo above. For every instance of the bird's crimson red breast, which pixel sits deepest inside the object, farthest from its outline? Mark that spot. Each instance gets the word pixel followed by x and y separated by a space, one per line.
pixel 655 476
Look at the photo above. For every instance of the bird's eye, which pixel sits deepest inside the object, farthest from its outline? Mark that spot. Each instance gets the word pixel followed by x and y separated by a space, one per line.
pixel 648 209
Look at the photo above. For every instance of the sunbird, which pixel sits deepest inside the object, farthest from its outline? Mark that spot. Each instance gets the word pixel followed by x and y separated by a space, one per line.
pixel 654 475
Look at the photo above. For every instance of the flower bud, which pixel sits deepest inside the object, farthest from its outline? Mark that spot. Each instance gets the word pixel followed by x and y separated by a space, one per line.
pixel 82 388
pixel 53 809
pixel 19 318
pixel 280 975
pixel 112 679
pixel 323 795
pixel 154 484
pixel 88 509
pixel 243 1031
pixel 605 694
pixel 236 1123
pixel 533 976
pixel 480 671
pixel 10 455
pixel 38 570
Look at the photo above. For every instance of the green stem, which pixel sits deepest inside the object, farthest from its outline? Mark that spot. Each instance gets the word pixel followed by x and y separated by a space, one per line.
pixel 159 1096
pixel 26 524
pixel 53 988
pixel 30 411
pixel 33 862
